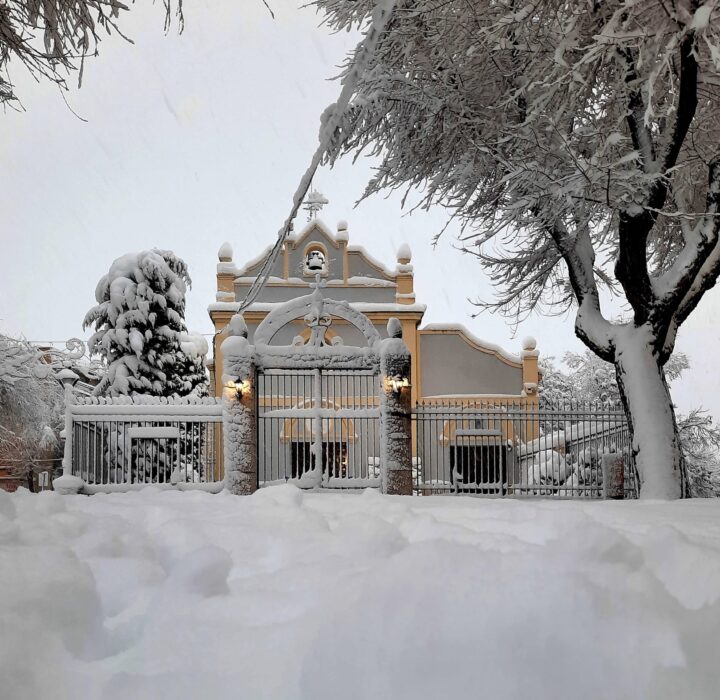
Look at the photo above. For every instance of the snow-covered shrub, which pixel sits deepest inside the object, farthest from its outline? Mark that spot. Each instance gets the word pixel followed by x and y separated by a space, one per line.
pixel 140 328
pixel 548 467
pixel 31 407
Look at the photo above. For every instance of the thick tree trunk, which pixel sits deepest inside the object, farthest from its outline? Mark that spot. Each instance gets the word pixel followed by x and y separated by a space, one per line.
pixel 649 408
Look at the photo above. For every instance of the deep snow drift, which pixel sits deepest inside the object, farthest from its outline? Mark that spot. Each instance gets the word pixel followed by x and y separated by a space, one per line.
pixel 303 595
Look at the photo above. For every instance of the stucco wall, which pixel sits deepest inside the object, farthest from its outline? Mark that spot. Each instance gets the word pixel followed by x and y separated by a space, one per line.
pixel 275 271
pixel 450 365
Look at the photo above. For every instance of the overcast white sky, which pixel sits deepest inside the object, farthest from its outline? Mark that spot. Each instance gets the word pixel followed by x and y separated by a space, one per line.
pixel 195 139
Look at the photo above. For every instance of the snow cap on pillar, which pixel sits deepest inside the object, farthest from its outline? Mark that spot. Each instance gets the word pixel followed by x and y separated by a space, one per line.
pixel 529 347
pixel 342 231
pixel 404 254
pixel 394 328
pixel 225 253
pixel 237 326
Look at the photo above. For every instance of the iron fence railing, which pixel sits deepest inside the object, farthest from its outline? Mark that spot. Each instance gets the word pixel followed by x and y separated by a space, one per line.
pixel 511 448
pixel 120 445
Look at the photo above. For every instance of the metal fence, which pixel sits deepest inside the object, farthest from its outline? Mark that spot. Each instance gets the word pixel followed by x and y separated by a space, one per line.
pixel 510 448
pixel 126 444
pixel 318 428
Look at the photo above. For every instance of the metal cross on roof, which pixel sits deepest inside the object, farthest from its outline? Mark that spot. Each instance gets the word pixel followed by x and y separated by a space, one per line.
pixel 314 202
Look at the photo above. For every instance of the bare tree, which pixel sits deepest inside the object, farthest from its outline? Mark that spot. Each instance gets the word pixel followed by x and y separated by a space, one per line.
pixel 579 144
pixel 52 38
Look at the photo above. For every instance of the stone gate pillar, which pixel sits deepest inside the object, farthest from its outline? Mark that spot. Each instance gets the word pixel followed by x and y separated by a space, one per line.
pixel 395 410
pixel 239 409
pixel 613 471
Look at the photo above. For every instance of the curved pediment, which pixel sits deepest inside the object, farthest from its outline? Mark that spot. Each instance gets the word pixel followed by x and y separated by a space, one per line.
pixel 318 314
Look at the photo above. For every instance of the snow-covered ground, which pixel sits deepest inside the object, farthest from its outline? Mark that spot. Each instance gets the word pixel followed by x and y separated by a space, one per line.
pixel 166 595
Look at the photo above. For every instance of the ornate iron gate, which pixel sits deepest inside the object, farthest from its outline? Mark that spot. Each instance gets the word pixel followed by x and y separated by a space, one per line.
pixel 319 427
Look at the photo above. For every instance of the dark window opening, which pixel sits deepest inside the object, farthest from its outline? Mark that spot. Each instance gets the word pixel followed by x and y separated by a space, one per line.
pixel 334 459
pixel 479 468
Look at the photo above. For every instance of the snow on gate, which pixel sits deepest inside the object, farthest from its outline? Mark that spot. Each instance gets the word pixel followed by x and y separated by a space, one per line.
pixel 126 443
pixel 333 414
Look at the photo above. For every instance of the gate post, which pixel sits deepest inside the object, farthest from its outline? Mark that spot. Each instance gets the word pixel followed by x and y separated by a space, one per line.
pixel 395 408
pixel 67 484
pixel 239 419
pixel 613 471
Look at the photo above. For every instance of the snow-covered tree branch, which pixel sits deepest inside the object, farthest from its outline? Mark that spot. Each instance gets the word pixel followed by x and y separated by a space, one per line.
pixel 52 39
pixel 31 406
pixel 578 143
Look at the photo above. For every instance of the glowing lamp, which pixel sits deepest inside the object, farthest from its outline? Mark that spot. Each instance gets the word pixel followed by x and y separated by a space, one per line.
pixel 396 384
pixel 240 387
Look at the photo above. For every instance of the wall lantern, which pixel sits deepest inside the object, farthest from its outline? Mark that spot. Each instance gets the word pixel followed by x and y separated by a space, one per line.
pixel 240 387
pixel 397 383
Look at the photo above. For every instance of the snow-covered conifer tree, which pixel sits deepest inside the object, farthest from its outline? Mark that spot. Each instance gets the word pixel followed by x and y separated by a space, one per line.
pixel 579 143
pixel 140 328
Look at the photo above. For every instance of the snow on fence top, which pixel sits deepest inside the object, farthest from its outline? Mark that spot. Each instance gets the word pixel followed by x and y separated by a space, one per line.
pixel 205 408
pixel 587 430
pixel 144 400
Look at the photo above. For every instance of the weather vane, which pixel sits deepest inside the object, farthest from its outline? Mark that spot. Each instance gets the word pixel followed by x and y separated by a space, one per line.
pixel 314 202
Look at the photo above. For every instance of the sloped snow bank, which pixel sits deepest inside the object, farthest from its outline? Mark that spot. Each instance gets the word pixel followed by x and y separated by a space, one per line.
pixel 289 595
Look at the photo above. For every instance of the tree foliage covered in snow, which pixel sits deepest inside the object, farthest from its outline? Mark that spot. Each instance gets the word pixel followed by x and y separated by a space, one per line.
pixel 140 328
pixel 590 381
pixel 51 39
pixel 579 143
pixel 31 407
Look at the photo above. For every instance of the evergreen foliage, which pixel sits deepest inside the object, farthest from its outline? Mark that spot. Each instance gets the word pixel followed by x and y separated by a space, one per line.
pixel 140 328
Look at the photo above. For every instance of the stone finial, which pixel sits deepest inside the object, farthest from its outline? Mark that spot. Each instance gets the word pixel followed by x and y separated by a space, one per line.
pixel 529 343
pixel 342 231
pixel 404 254
pixel 394 328
pixel 237 326
pixel 225 253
